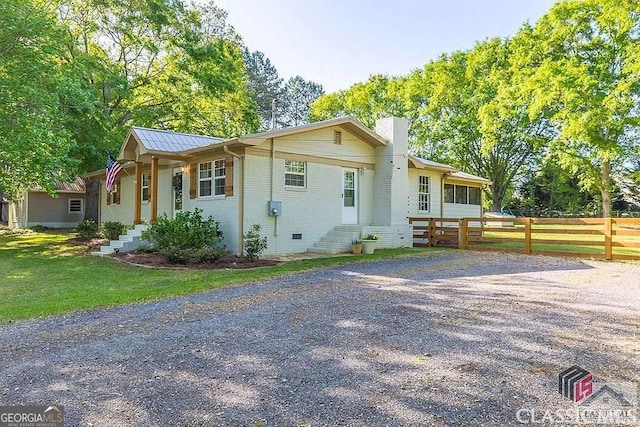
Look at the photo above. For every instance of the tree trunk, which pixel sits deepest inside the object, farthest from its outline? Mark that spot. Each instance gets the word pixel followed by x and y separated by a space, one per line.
pixel 605 189
pixel 92 202
pixel 496 198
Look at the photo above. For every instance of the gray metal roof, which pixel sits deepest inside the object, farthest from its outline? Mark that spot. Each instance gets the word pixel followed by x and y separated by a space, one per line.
pixel 173 142
pixel 433 164
pixel 464 175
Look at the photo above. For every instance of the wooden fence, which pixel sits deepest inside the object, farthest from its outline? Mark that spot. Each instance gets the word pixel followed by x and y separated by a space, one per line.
pixel 599 238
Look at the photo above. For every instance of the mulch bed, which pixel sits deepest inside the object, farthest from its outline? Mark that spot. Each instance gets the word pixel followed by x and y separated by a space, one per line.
pixel 91 245
pixel 157 260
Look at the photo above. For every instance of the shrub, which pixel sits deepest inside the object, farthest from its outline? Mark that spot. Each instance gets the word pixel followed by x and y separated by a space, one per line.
pixel 87 229
pixel 113 229
pixel 39 228
pixel 254 244
pixel 187 231
pixel 196 256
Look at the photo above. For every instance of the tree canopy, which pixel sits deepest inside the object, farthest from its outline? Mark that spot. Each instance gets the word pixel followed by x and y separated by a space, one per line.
pixel 565 89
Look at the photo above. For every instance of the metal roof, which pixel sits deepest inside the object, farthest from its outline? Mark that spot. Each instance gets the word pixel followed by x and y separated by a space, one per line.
pixel 75 186
pixel 464 175
pixel 172 142
pixel 433 164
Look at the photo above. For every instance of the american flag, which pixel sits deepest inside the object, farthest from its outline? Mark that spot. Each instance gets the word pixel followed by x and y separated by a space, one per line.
pixel 113 169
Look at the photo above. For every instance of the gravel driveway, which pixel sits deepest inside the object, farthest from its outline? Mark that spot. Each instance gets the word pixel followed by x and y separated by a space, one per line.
pixel 454 338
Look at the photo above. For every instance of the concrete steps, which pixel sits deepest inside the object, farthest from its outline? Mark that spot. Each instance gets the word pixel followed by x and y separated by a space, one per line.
pixel 337 240
pixel 125 243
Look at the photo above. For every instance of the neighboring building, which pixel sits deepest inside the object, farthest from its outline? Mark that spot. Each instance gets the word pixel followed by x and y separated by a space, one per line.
pixel 36 207
pixel 308 186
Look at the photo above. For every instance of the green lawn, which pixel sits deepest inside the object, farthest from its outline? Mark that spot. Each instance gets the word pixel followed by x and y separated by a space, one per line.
pixel 44 275
pixel 559 236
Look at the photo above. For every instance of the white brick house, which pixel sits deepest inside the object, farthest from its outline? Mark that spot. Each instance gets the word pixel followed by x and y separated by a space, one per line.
pixel 328 182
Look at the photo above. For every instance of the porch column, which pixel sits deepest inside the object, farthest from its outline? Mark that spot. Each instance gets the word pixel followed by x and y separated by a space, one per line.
pixel 153 190
pixel 137 213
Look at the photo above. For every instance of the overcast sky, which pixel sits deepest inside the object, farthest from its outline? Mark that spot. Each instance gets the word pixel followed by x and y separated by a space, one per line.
pixel 341 42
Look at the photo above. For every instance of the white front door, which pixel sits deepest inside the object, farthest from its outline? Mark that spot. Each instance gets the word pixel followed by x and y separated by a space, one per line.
pixel 176 187
pixel 349 196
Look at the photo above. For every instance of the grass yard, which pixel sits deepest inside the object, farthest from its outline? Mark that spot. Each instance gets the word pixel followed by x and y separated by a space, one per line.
pixel 564 234
pixel 44 275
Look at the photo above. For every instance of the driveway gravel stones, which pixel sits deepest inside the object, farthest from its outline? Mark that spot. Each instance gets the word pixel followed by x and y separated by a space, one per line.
pixel 451 338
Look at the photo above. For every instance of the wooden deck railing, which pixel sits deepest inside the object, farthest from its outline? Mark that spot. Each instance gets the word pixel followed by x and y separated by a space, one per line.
pixel 600 238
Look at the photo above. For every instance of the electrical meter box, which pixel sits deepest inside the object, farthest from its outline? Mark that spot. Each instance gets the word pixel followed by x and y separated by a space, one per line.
pixel 275 208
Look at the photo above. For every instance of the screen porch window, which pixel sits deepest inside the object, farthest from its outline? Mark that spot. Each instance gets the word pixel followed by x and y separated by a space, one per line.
pixel 475 196
pixel 294 173
pixel 461 194
pixel 448 193
pixel 423 193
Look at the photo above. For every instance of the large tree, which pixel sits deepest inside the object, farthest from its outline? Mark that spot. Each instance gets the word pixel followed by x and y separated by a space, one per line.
pixel 298 95
pixel 463 110
pixel 35 90
pixel 265 84
pixel 582 67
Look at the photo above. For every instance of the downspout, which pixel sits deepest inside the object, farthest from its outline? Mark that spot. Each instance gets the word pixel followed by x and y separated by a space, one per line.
pixel 240 197
pixel 442 195
pixel 273 163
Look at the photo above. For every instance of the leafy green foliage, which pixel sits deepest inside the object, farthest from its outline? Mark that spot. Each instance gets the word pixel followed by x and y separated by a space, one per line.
pixel 254 243
pixel 192 256
pixel 579 66
pixel 113 229
pixel 34 86
pixel 188 231
pixel 87 229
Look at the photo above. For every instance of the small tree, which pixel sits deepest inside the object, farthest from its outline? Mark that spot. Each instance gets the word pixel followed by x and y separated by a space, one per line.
pixel 254 243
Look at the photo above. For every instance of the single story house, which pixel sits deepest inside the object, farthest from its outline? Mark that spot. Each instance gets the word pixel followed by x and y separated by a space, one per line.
pixel 36 207
pixel 311 188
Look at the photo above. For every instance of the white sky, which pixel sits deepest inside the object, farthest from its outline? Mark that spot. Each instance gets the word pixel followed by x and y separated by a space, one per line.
pixel 339 43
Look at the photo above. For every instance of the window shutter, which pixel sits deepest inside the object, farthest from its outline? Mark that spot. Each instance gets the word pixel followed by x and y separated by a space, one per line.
pixel 228 180
pixel 108 198
pixel 193 181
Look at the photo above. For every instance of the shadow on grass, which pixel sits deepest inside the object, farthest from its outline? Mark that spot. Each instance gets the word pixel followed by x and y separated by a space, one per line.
pixel 455 339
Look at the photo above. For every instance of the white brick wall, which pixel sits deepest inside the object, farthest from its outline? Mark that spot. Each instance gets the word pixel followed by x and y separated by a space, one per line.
pixel 391 182
pixel 312 212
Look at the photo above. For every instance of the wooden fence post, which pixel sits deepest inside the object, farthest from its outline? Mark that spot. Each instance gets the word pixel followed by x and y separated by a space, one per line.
pixel 432 232
pixel 527 236
pixel 608 232
pixel 462 233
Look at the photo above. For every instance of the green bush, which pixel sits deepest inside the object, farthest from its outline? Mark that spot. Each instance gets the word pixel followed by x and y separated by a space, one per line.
pixel 87 229
pixel 253 243
pixel 38 228
pixel 187 238
pixel 190 255
pixel 113 229
pixel 187 230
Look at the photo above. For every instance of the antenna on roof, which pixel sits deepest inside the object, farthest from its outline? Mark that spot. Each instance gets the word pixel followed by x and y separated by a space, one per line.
pixel 273 114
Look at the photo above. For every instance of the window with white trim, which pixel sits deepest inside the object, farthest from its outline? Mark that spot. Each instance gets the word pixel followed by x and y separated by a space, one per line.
pixel 76 206
pixel 295 173
pixel 144 185
pixel 211 178
pixel 423 193
pixel 219 172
